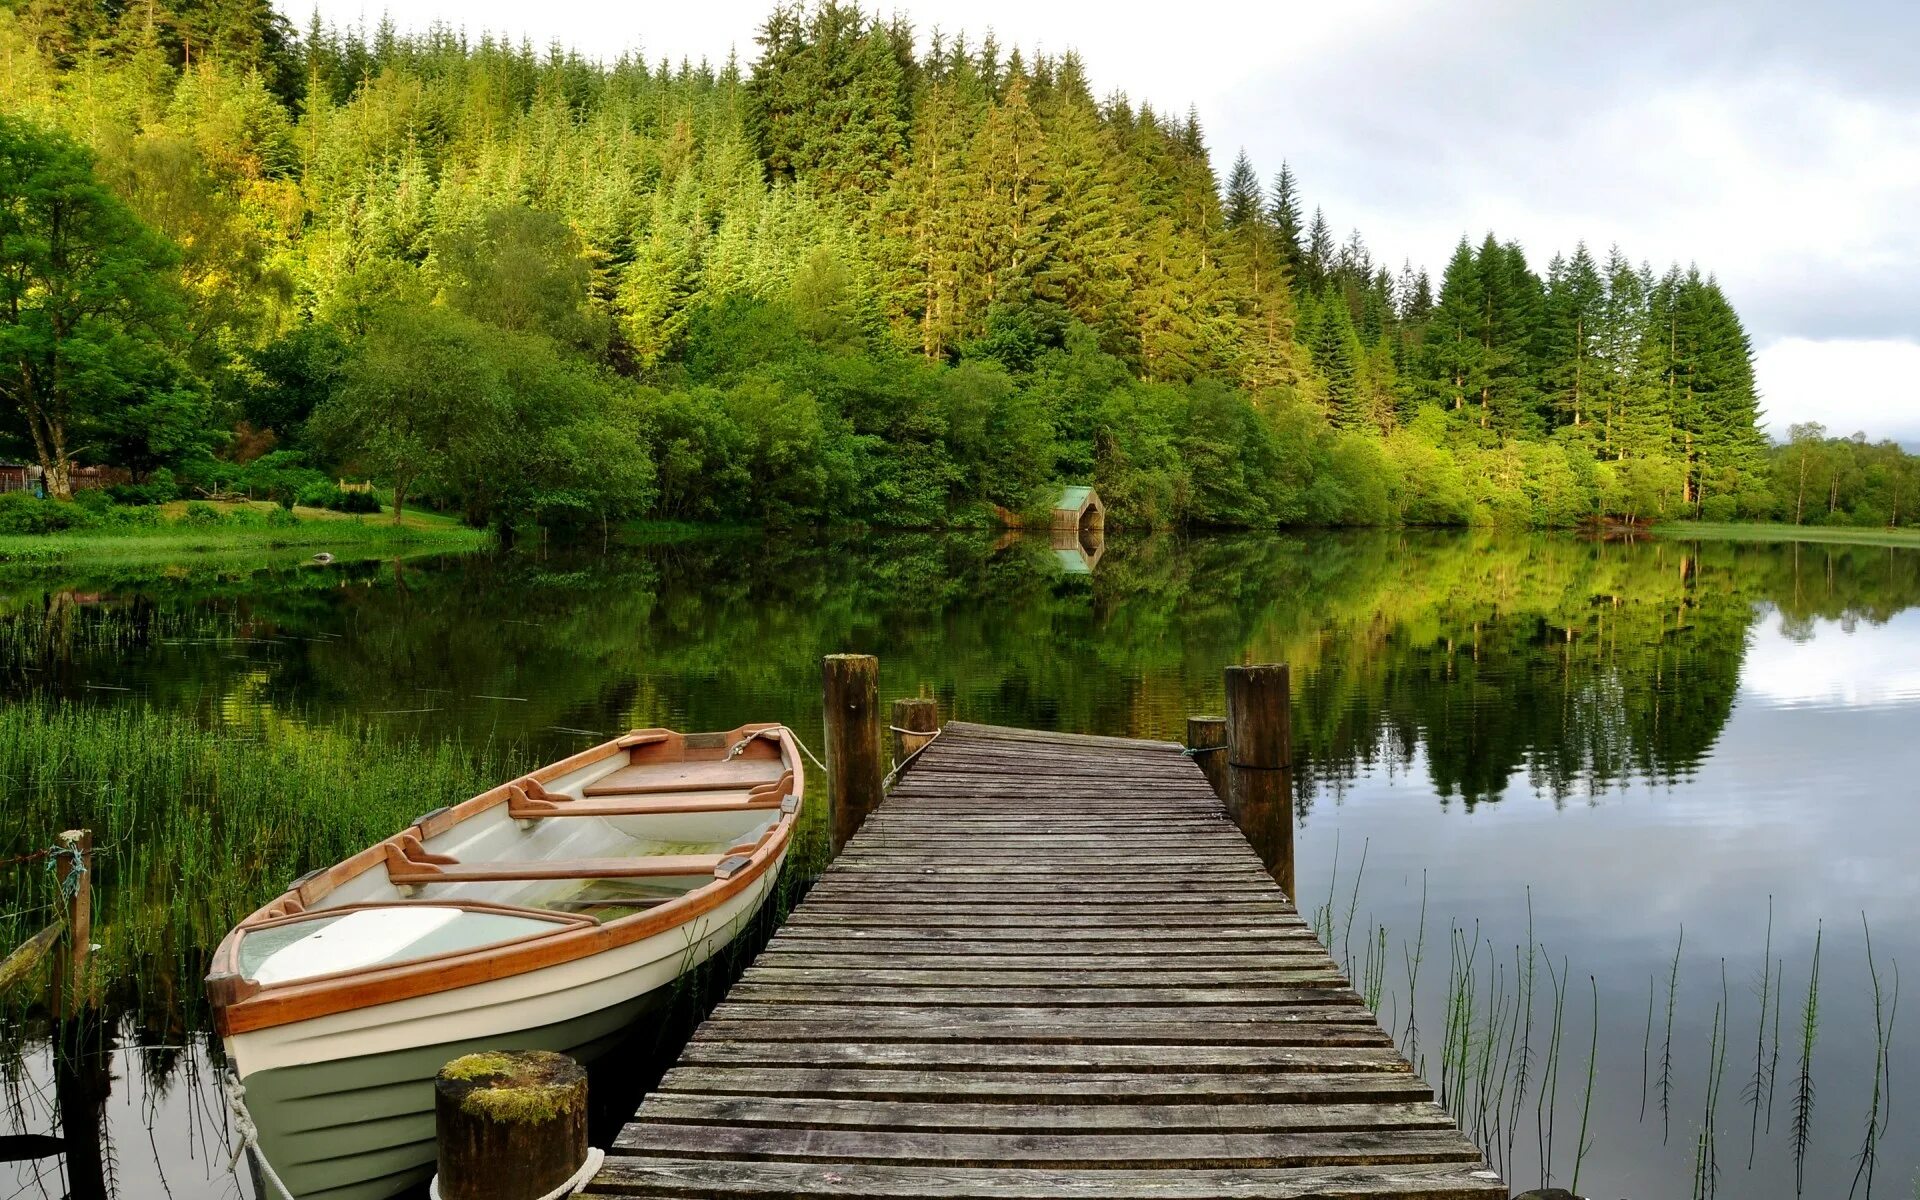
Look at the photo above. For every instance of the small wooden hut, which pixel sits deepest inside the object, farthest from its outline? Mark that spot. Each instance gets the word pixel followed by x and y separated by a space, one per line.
pixel 1078 509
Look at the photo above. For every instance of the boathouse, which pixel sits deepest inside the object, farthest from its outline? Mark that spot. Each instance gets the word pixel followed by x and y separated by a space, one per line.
pixel 1079 509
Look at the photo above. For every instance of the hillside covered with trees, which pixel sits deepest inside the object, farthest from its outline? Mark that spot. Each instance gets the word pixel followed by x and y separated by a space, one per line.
pixel 868 276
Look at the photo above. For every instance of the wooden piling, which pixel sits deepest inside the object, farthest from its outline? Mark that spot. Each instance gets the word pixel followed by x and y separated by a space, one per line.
pixel 1207 737
pixel 851 686
pixel 73 870
pixel 509 1126
pixel 1260 764
pixel 918 714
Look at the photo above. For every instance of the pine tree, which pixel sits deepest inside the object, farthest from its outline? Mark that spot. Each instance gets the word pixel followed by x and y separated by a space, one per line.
pixel 1242 206
pixel 1575 299
pixel 1336 354
pixel 1455 351
pixel 1321 254
pixel 1284 211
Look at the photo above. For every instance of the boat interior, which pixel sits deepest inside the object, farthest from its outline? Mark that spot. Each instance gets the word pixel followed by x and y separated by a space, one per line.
pixel 627 827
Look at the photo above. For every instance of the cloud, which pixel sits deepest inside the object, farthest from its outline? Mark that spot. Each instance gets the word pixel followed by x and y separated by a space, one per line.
pixel 1773 143
pixel 1847 385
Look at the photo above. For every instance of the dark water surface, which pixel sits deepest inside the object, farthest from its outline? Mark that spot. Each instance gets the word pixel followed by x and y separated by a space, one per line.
pixel 1599 743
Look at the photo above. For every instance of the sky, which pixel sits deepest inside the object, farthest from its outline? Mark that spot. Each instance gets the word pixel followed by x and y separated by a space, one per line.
pixel 1775 144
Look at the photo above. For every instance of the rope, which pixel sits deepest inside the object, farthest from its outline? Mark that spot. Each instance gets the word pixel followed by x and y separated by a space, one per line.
pixel 70 886
pixel 1197 751
pixel 905 762
pixel 236 1094
pixel 775 731
pixel 588 1170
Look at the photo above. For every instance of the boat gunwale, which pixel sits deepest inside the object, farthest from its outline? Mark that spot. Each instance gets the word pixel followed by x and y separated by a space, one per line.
pixel 241 1005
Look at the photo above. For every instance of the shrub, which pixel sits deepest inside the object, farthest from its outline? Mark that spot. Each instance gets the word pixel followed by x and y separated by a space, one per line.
pixel 200 513
pixel 327 495
pixel 159 488
pixel 282 518
pixel 22 512
pixel 1718 509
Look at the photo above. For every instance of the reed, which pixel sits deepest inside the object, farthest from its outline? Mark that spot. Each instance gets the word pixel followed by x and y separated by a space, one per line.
pixel 1884 1009
pixel 1586 1106
pixel 1803 1084
pixel 1666 1052
pixel 196 824
pixel 1761 1082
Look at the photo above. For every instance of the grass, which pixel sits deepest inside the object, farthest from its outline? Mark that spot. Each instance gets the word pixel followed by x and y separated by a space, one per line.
pixel 195 825
pixel 243 529
pixel 1771 531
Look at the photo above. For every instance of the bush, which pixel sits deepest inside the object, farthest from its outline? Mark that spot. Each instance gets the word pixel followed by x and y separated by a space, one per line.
pixel 203 514
pixel 1718 509
pixel 23 512
pixel 327 495
pixel 282 518
pixel 124 516
pixel 159 488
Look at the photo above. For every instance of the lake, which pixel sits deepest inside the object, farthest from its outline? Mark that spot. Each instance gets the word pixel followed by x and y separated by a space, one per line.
pixel 1624 785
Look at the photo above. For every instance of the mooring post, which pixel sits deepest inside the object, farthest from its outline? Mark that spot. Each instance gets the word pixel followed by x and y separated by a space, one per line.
pixel 1260 764
pixel 913 717
pixel 851 685
pixel 1207 739
pixel 509 1126
pixel 73 870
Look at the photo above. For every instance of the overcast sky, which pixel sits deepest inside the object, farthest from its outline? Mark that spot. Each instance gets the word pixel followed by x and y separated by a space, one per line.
pixel 1775 143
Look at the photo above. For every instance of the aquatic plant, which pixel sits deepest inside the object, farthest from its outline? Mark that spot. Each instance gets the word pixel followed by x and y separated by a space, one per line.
pixel 1803 1084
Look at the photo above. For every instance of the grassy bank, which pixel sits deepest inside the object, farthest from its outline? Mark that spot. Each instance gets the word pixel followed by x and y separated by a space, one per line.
pixel 1769 531
pixel 196 824
pixel 203 531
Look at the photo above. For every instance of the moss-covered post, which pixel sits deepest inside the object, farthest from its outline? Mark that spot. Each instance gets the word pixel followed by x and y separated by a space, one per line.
pixel 510 1126
pixel 73 869
pixel 915 720
pixel 1207 738
pixel 1260 764
pixel 851 707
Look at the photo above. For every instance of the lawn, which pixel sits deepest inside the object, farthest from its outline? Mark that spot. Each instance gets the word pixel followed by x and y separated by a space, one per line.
pixel 243 528
pixel 1768 531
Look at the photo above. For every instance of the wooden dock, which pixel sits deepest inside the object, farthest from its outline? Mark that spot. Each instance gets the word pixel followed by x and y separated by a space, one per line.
pixel 1048 966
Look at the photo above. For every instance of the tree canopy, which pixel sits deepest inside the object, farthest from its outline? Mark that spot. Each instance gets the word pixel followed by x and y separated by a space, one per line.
pixel 867 276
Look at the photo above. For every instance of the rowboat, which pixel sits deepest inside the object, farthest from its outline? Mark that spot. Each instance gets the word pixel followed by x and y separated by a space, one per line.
pixel 551 912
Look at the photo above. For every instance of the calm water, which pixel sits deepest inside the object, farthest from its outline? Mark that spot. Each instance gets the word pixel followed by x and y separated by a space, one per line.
pixel 1602 743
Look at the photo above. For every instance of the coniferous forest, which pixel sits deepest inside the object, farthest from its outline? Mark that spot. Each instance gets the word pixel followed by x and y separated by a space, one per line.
pixel 871 275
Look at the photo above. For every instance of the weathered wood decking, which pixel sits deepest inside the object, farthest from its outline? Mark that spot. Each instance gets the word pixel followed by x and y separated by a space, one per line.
pixel 1047 967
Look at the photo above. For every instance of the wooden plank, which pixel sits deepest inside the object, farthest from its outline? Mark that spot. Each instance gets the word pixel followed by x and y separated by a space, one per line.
pixel 928 1148
pixel 1046 967
pixel 1215 1090
pixel 851 992
pixel 705 1051
pixel 683 1177
pixel 813 1112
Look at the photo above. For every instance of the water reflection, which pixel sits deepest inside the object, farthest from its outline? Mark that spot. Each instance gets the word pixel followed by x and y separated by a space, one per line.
pixel 1650 734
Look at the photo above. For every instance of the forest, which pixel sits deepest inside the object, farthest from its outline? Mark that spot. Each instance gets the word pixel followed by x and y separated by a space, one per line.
pixel 871 276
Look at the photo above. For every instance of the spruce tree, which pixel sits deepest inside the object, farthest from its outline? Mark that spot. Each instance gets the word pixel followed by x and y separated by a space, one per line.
pixel 1242 207
pixel 1321 254
pixel 1284 211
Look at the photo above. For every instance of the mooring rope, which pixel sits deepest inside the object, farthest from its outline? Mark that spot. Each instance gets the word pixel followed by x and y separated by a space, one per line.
pixel 734 751
pixel 1196 751
pixel 905 762
pixel 236 1093
pixel 587 1171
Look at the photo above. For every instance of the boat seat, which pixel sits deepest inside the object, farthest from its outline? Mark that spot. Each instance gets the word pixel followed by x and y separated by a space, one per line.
pixel 410 864
pixel 528 799
pixel 700 776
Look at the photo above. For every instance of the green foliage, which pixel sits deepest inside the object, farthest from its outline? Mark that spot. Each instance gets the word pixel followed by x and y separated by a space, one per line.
pixel 89 312
pixel 859 280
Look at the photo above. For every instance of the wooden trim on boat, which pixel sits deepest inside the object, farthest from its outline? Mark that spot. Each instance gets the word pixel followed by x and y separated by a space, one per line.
pixel 241 1005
